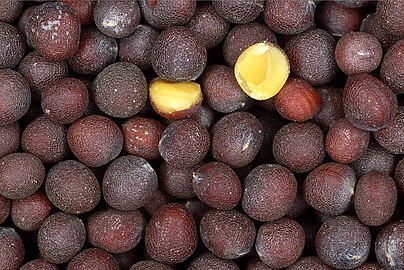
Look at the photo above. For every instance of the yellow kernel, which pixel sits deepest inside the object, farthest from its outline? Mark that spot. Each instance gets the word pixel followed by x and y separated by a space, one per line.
pixel 261 70
pixel 174 99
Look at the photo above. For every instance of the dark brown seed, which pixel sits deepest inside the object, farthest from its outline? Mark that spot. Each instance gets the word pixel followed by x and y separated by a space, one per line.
pixel 269 192
pixel 54 30
pixel 117 19
pixel 159 199
pixel 115 231
pixel 5 205
pixel 207 25
pixel 311 56
pixel 84 9
pixel 227 234
pixel 241 11
pixel 99 150
pixel 29 213
pixel 129 183
pixel 309 263
pixel 9 138
pixel 369 104
pixel 370 266
pixel 93 259
pixel 389 13
pixel 61 237
pixel 21 174
pixel 331 107
pixel 15 96
pixel 210 261
pixel 12 46
pixel 12 249
pixel 345 143
pixel 280 243
pixel 375 198
pixel 388 246
pixel 149 265
pixel 39 264
pixel 257 264
pixel 184 143
pixel 329 188
pixel 171 234
pixel 343 242
pixel 289 17
pixel 399 177
pixel 392 69
pixel 236 139
pixel 40 72
pixel 136 48
pixel 299 146
pixel 10 10
pixel 217 185
pixel 96 51
pixel 390 136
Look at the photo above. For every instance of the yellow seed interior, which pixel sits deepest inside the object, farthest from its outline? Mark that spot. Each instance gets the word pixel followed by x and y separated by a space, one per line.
pixel 169 97
pixel 261 70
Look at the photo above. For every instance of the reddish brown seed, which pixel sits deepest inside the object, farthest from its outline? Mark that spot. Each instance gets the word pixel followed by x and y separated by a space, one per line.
pixel 187 65
pixel 65 100
pixel 93 259
pixel 372 26
pixel 177 181
pixel 117 19
pixel 227 234
pixel 141 136
pixel 9 138
pixel 358 52
pixel 12 249
pixel 21 174
pixel 61 237
pixel 165 13
pixel 388 246
pixel 329 188
pixel 337 19
pixel 280 243
pixel 390 136
pixel 72 187
pixel 136 48
pixel 149 265
pixel 257 264
pixel 12 46
pixel 209 261
pixel 309 263
pixel 46 140
pixel 84 9
pixel 299 146
pixel 389 14
pixel 375 198
pixel 184 143
pixel 39 264
pixel 40 72
pixel 217 185
pixel 370 266
pixel 221 90
pixel 129 183
pixel 15 96
pixel 204 115
pixel 54 30
pixel 99 150
pixel 343 242
pixel 197 208
pixel 10 10
pixel 115 231
pixel 159 199
pixel 240 12
pixel 29 213
pixel 392 68
pixel 311 56
pixel 297 100
pixel 243 36
pixel 331 107
pixel 289 17
pixel 345 143
pixel 171 234
pixel 236 139
pixel 120 90
pixel 5 205
pixel 375 158
pixel 369 104
pixel 95 52
pixel 399 177
pixel 23 24
pixel 208 25
pixel 269 192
